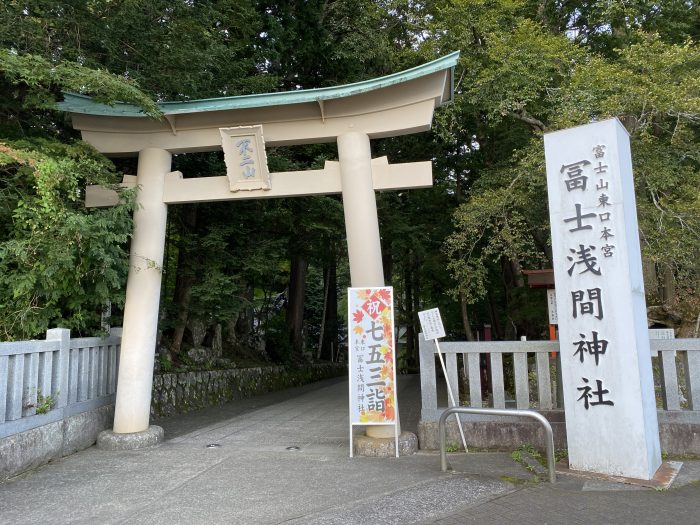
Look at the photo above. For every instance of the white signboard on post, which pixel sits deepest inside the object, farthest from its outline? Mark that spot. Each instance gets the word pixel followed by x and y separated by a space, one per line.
pixel 431 324
pixel 372 361
pixel 432 328
pixel 611 420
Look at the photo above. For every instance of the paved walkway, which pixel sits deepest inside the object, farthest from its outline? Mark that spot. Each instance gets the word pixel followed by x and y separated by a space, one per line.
pixel 252 477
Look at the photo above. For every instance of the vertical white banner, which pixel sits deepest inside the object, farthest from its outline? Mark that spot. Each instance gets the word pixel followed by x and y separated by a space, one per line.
pixel 611 420
pixel 552 306
pixel 371 356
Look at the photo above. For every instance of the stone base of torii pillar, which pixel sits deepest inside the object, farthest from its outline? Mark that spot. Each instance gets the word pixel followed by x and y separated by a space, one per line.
pixel 385 447
pixel 110 440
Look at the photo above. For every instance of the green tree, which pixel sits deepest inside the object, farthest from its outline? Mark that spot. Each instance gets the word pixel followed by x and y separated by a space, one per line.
pixel 59 263
pixel 531 67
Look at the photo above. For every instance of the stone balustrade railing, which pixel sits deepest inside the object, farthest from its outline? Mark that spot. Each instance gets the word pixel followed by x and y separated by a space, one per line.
pixel 44 381
pixel 523 375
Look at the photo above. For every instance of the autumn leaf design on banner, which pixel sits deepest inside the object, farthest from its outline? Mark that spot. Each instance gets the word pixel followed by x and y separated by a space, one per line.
pixel 372 364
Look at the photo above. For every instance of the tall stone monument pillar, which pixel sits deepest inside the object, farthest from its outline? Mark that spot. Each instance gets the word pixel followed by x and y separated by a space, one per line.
pixel 611 421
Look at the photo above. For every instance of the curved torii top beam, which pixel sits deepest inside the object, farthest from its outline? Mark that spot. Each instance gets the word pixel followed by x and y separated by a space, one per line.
pixel 397 104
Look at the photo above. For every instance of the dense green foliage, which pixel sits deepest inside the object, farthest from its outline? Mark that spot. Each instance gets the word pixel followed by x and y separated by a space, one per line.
pixel 266 279
pixel 59 264
pixel 534 71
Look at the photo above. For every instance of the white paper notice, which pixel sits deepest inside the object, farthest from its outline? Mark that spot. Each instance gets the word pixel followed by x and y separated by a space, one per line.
pixel 431 324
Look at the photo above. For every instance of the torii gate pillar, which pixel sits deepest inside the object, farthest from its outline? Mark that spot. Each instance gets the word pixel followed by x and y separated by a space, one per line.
pixel 132 408
pixel 360 209
pixel 361 225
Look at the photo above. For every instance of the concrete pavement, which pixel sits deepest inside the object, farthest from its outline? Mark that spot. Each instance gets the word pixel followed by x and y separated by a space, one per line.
pixel 283 458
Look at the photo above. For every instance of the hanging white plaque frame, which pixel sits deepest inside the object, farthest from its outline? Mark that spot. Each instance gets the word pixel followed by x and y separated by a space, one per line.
pixel 245 157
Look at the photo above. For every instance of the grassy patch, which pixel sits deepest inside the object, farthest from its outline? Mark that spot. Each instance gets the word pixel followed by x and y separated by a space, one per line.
pixel 520 482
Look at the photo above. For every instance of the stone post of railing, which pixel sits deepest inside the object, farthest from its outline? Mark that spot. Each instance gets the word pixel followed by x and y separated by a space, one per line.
pixel 63 336
pixel 691 364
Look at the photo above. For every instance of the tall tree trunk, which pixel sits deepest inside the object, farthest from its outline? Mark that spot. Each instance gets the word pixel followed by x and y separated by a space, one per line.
pixel 183 295
pixel 465 319
pixel 387 261
pixel 651 278
pixel 295 305
pixel 184 280
pixel 326 290
pixel 669 288
pixel 330 337
pixel 518 278
pixel 408 312
pixel 495 318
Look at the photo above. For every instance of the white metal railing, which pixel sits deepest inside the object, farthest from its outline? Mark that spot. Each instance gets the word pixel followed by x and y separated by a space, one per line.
pixel 676 363
pixel 44 381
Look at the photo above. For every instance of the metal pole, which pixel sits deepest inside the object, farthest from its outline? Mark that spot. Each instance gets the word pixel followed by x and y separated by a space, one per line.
pixel 451 396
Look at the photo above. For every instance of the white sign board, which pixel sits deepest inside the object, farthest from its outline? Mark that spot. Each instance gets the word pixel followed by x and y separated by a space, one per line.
pixel 611 421
pixel 552 306
pixel 431 324
pixel 662 333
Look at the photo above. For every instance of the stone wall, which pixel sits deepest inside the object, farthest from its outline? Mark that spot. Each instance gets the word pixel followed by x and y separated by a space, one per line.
pixel 679 433
pixel 503 434
pixel 187 391
pixel 32 448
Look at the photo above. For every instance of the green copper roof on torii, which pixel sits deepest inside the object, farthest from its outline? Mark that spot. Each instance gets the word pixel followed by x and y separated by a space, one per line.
pixel 74 103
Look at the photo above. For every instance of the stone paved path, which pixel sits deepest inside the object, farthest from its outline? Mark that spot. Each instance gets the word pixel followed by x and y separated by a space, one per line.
pixel 252 477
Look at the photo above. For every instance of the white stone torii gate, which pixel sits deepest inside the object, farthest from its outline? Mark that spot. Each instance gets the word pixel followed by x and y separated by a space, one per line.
pixel 393 105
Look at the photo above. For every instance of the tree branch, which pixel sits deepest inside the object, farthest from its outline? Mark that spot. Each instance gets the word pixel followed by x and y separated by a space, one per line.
pixel 523 115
